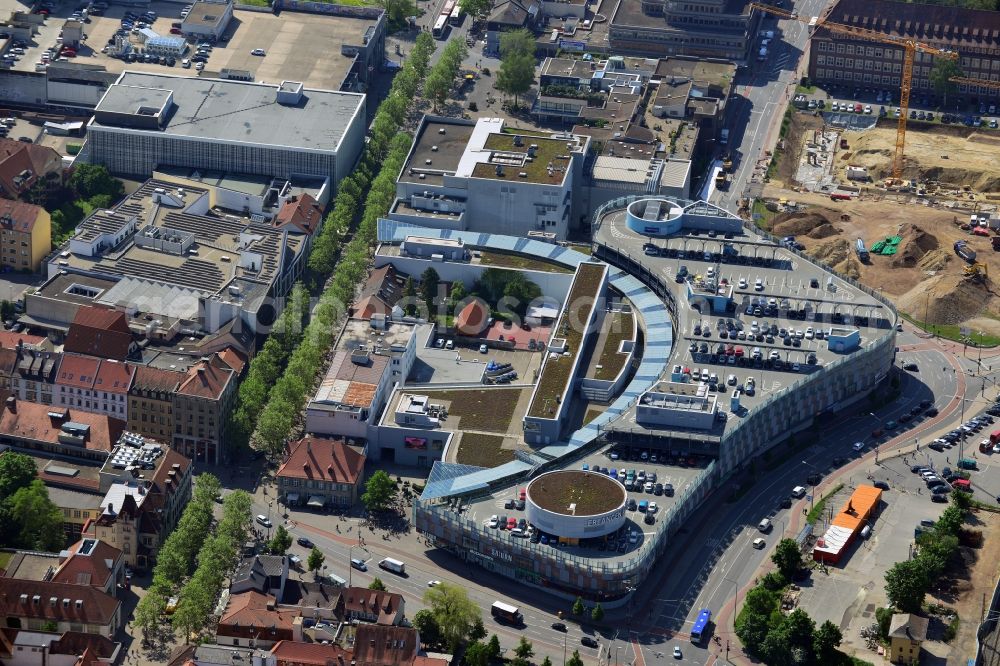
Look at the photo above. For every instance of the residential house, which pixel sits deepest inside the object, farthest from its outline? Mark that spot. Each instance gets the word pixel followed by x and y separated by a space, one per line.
pixel 321 472
pixel 266 574
pixel 20 647
pixel 34 375
pixel 301 214
pixel 124 525
pixel 25 235
pixel 314 600
pixel 202 404
pixel 23 165
pixel 294 653
pixel 473 318
pixel 92 562
pixel 376 645
pixel 379 295
pixel 695 90
pixel 509 15
pixel 252 619
pixel 375 606
pixel 74 386
pixel 907 632
pixel 114 378
pixel 36 605
pixel 62 431
pixel 8 364
pixel 100 332
pixel 151 404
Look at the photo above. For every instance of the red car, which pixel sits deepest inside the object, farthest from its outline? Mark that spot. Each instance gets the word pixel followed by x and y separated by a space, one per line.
pixel 69 53
pixel 175 31
pixel 521 494
pixel 511 523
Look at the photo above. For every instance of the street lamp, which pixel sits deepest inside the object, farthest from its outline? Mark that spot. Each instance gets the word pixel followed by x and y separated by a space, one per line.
pixel 812 495
pixel 736 598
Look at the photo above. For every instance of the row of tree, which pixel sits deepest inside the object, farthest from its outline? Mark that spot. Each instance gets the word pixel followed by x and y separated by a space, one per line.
pixel 277 379
pixel 28 518
pixel 176 558
pixel 441 77
pixel 506 292
pixel 517 62
pixel 907 582
pixel 216 560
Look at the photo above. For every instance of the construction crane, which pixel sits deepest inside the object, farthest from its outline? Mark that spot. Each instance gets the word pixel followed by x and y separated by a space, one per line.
pixel 995 85
pixel 909 46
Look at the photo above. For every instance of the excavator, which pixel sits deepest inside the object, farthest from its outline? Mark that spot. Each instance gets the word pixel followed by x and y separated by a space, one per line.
pixel 977 272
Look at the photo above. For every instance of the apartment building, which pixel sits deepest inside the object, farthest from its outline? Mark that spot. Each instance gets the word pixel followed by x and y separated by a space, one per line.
pixel 321 473
pixel 839 59
pixel 25 235
pixel 201 408
pixel 23 165
pixel 33 374
pixel 37 605
pixel 150 402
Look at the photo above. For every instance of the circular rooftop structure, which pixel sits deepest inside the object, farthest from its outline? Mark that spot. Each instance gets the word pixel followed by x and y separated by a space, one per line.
pixel 654 217
pixel 575 504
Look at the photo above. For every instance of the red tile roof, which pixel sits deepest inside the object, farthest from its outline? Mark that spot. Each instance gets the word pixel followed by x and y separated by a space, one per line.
pixel 380 645
pixel 99 332
pixel 385 606
pixel 91 562
pixel 75 642
pixel 18 599
pixel 9 339
pixel 155 379
pixel 16 156
pixel 18 215
pixel 204 380
pixel 31 421
pixel 78 371
pixel 294 653
pixel 234 359
pixel 304 213
pixel 167 462
pixel 323 460
pixel 113 376
pixel 248 616
pixel 473 318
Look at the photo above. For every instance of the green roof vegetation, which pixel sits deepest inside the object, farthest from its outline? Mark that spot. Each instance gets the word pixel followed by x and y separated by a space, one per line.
pixel 550 151
pixel 482 450
pixel 619 327
pixel 591 493
pixel 556 369
pixel 480 409
pixel 521 262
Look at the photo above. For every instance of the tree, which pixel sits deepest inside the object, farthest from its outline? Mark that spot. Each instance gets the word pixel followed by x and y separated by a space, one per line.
pixel 575 659
pixel 380 492
pixel 477 654
pixel 597 613
pixel 397 11
pixel 377 584
pixel 455 613
pixel 524 650
pixel 16 471
pixel 546 662
pixel 89 180
pixel 478 631
pixel 493 648
pixel 940 76
pixel 787 557
pixel 316 559
pixel 429 281
pixel 798 629
pixel 280 542
pixel 410 297
pixel 961 500
pixel 39 520
pixel 950 521
pixel 457 291
pixel 475 8
pixel 577 608
pixel 517 73
pixel 826 640
pixel 424 622
pixel 519 292
pixel 7 310
pixel 760 601
pixel 906 584
pixel 520 42
pixel 752 629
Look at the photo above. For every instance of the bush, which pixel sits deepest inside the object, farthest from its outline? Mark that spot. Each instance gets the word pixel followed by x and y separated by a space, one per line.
pixel 884 618
pixel 774 581
pixel 73 148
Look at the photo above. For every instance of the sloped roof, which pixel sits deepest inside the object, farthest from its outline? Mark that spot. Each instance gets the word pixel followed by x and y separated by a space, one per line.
pixel 909 626
pixel 383 645
pixel 323 460
pixel 303 213
pixel 99 332
pixel 33 599
pixel 309 654
pixel 233 358
pixel 154 379
pixel 473 317
pixel 29 420
pixel 113 376
pixel 22 215
pixel 384 605
pixel 78 371
pixel 205 380
pixel 91 562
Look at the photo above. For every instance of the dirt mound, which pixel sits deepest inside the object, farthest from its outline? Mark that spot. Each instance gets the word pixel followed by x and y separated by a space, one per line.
pixel 832 252
pixel 915 244
pixel 935 260
pixel 944 299
pixel 977 180
pixel 979 137
pixel 814 223
pixel 850 266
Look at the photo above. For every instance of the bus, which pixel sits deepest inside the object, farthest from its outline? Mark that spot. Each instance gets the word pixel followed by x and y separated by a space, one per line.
pixel 506 613
pixel 455 18
pixel 700 625
pixel 440 27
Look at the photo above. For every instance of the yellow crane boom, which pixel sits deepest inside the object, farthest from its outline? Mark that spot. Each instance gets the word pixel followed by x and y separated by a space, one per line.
pixel 909 46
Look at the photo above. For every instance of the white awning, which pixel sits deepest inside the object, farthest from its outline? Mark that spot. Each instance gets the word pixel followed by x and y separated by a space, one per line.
pixel 292 497
pixel 316 501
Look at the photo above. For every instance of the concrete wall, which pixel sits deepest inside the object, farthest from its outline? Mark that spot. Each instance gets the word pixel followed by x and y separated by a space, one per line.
pixel 22 88
pixel 388 443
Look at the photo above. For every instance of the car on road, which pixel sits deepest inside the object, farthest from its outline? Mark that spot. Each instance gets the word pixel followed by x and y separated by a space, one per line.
pixel 881 484
pixel 764 525
pixel 304 542
pixel 759 543
pixel 258 52
pixel 483 349
pixel 265 521
pixel 588 642
pixel 559 626
pixel 932 411
pixel 912 367
pixel 677 652
pixel 858 446
pixel 798 492
pixel 433 583
pixel 359 564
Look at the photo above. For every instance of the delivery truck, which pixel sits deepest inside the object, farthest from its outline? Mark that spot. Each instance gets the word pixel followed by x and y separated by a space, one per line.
pixel 395 566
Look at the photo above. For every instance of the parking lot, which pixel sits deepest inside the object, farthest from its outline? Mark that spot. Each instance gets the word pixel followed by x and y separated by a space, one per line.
pixel 463 364
pixel 673 473
pixel 291 42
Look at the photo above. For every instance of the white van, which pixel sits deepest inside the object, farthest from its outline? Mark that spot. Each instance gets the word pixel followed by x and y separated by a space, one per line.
pixel 866 531
pixel 798 492
pixel 858 446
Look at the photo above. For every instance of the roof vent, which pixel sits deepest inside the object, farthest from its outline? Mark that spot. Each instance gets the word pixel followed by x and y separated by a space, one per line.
pixel 79 603
pixel 289 93
pixel 523 174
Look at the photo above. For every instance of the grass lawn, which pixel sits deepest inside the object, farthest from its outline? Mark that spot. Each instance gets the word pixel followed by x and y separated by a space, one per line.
pixel 820 505
pixel 591 493
pixel 592 413
pixel 5 559
pixel 255 3
pixel 482 450
pixel 556 370
pixel 619 326
pixel 489 258
pixel 481 409
pixel 761 215
pixel 953 332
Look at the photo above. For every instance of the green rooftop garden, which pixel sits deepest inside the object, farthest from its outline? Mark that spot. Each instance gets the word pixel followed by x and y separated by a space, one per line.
pixel 619 327
pixel 520 262
pixel 549 151
pixel 482 450
pixel 557 369
pixel 481 409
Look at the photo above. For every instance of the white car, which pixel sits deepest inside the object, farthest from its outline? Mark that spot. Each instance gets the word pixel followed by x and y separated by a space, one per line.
pixel 613 455
pixel 263 520
pixel 439 343
pixel 483 349
pixel 858 446
pixel 258 52
pixel 809 333
pixel 732 380
pixel 494 521
pixel 743 283
pixel 433 583
pixel 759 543
pixel 450 344
pixel 677 652
pixel 764 525
pixel 758 284
pixel 652 508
